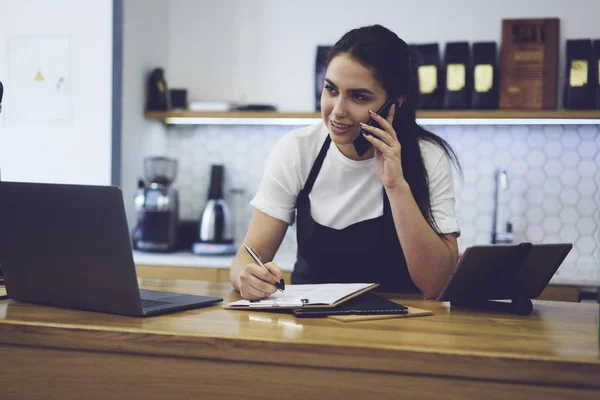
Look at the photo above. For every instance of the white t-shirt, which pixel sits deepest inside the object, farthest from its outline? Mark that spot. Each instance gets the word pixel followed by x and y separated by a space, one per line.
pixel 345 191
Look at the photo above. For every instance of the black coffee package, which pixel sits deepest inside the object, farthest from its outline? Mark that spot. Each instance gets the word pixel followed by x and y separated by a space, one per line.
pixel 596 70
pixel 430 74
pixel 320 69
pixel 484 91
pixel 457 90
pixel 580 80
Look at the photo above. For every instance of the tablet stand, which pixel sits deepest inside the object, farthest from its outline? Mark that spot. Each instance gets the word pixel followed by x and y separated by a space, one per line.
pixel 519 304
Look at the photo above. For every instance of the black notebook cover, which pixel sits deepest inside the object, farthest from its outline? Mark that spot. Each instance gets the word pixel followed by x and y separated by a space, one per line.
pixel 366 304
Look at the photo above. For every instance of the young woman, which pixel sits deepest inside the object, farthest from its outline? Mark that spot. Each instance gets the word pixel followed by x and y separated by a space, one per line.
pixel 386 216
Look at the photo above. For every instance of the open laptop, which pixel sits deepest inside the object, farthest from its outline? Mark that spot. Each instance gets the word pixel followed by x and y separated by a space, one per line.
pixel 68 246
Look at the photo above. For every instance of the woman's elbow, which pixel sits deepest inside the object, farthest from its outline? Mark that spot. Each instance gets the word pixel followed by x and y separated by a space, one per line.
pixel 433 288
pixel 431 293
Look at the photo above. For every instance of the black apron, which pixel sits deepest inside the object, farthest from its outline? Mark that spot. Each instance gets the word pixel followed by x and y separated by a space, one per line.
pixel 366 251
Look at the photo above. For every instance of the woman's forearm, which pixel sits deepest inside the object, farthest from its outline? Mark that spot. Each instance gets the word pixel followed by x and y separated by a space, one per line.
pixel 429 257
pixel 265 235
pixel 239 263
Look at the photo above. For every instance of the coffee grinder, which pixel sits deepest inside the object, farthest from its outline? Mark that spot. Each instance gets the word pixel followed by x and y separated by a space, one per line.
pixel 157 207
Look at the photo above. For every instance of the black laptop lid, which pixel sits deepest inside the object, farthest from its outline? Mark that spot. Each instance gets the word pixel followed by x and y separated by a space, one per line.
pixel 67 246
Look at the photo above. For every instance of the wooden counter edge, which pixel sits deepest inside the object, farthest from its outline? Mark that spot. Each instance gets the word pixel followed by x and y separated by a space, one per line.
pixel 555 292
pixel 478 366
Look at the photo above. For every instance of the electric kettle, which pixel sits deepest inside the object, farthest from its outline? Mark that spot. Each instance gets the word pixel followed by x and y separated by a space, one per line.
pixel 215 229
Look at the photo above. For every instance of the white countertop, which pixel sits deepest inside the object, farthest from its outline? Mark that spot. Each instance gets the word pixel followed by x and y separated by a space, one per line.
pixel 189 259
pixel 559 280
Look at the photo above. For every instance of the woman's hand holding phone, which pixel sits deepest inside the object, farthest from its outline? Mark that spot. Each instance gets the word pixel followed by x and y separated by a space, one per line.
pixel 388 164
pixel 361 144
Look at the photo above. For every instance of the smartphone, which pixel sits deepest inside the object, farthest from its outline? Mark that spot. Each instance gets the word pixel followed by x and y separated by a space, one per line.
pixel 360 143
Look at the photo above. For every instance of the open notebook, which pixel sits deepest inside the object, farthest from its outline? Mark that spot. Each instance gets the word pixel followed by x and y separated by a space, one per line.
pixel 323 295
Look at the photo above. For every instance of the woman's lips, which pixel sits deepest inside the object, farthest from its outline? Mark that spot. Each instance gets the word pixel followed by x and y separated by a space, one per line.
pixel 338 128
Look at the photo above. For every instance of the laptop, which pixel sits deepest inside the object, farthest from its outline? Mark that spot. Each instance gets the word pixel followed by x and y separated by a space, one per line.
pixel 490 272
pixel 68 246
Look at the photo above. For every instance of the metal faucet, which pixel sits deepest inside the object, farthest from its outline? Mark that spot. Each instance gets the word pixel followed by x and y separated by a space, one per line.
pixel 500 184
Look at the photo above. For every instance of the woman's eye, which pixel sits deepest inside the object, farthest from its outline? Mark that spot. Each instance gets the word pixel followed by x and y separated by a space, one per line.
pixel 330 89
pixel 360 98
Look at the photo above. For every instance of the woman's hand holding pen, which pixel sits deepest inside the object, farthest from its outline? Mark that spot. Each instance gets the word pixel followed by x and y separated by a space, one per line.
pixel 257 283
pixel 388 164
pixel 258 280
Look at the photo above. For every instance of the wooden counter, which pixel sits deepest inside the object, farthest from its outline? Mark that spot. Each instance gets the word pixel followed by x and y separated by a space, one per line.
pixel 551 292
pixel 214 353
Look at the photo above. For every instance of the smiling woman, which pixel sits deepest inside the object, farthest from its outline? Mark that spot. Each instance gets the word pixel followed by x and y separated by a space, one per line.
pixel 386 216
pixel 349 92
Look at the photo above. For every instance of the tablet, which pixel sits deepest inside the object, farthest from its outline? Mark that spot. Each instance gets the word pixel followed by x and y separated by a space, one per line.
pixel 494 272
pixel 540 266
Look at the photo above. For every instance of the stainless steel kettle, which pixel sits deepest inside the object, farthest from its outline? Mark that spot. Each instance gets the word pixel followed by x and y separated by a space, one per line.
pixel 215 232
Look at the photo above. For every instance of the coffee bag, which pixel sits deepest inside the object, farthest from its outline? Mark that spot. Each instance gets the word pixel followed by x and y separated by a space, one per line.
pixel 457 90
pixel 580 80
pixel 430 75
pixel 484 92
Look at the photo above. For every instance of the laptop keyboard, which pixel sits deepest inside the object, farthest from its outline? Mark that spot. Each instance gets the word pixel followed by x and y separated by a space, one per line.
pixel 153 303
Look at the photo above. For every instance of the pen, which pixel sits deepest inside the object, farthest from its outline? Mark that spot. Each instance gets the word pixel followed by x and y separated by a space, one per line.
pixel 279 285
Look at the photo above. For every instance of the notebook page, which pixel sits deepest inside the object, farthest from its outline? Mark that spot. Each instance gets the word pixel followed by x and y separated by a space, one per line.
pixel 329 293
pixel 326 293
pixel 292 295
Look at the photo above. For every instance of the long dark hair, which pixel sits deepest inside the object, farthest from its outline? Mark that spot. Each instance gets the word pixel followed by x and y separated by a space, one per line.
pixel 390 60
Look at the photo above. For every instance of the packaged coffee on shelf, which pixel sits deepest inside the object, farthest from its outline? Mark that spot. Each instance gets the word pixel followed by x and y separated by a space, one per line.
pixel 320 68
pixel 529 64
pixel 430 74
pixel 596 70
pixel 457 90
pixel 580 80
pixel 484 92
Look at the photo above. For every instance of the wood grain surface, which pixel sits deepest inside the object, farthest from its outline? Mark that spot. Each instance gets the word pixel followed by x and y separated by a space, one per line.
pixel 552 353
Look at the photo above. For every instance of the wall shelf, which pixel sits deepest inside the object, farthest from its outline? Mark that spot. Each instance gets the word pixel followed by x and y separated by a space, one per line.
pixel 424 117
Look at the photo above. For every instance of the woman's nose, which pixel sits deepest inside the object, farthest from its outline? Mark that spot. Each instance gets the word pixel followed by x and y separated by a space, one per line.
pixel 339 108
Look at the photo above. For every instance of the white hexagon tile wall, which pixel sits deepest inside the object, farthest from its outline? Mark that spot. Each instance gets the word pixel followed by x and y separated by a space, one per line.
pixel 552 196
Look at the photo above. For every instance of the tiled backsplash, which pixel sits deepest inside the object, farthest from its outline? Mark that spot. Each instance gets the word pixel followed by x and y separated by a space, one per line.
pixel 553 170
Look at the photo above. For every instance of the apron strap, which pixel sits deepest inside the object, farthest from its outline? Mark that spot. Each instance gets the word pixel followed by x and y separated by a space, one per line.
pixel 312 176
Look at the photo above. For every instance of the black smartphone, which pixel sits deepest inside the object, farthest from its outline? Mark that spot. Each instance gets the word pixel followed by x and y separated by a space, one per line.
pixel 360 143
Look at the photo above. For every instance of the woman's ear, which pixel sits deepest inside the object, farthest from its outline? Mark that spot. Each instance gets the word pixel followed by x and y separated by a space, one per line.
pixel 400 100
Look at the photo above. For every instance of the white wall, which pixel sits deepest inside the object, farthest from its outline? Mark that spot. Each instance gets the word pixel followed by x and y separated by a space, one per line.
pixel 145 42
pixel 79 150
pixel 264 50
